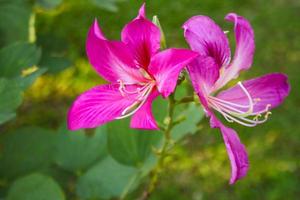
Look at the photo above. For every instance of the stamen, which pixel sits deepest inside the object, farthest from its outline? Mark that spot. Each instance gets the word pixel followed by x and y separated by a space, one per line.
pixel 144 93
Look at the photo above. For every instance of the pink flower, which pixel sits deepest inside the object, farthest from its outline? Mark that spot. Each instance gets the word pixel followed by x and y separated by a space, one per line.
pixel 137 73
pixel 249 102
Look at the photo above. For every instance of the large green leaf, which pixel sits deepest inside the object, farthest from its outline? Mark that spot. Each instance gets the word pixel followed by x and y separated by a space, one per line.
pixel 54 64
pixel 28 80
pixel 130 146
pixel 107 179
pixel 77 150
pixel 190 116
pixel 14 15
pixel 16 57
pixel 25 150
pixel 35 187
pixel 10 99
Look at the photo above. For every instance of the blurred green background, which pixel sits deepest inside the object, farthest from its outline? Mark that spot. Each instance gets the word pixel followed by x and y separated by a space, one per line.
pixel 198 168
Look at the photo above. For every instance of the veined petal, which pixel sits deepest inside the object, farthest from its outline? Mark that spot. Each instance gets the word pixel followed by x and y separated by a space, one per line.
pixel 165 67
pixel 98 105
pixel 204 72
pixel 208 39
pixel 111 59
pixel 235 149
pixel 143 118
pixel 267 92
pixel 143 38
pixel 244 50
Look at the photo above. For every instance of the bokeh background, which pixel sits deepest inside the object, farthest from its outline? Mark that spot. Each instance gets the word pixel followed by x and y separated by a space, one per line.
pixel 198 167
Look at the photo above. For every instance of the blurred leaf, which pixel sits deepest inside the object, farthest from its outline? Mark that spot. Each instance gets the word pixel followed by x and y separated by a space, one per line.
pixel 77 150
pixel 48 4
pixel 16 57
pixel 10 99
pixel 35 187
pixel 28 80
pixel 54 64
pixel 190 116
pixel 107 4
pixel 130 146
pixel 25 150
pixel 14 15
pixel 106 179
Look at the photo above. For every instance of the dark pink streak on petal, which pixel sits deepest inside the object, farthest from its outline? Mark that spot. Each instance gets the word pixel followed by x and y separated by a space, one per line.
pixel 142 38
pixel 143 118
pixel 207 38
pixel 98 105
pixel 270 89
pixel 166 66
pixel 111 59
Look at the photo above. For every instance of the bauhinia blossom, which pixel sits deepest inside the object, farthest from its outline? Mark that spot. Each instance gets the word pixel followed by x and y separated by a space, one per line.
pixel 249 102
pixel 137 73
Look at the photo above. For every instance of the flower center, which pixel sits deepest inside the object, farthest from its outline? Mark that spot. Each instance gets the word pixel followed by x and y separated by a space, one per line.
pixel 239 113
pixel 141 94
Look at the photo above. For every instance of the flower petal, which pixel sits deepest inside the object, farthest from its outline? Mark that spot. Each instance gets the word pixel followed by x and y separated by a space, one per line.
pixel 143 118
pixel 143 39
pixel 204 72
pixel 166 66
pixel 236 150
pixel 270 89
pixel 97 106
pixel 244 50
pixel 207 38
pixel 111 59
pixel 142 12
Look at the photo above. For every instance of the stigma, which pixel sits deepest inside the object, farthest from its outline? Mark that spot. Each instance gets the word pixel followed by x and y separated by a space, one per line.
pixel 239 113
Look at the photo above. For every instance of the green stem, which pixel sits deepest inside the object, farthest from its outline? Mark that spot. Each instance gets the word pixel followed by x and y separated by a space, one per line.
pixel 163 152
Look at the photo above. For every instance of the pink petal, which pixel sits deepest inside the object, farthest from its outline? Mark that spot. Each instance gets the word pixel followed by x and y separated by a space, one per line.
pixel 207 38
pixel 270 89
pixel 142 12
pixel 204 72
pixel 244 51
pixel 143 39
pixel 97 106
pixel 236 150
pixel 143 118
pixel 166 66
pixel 111 59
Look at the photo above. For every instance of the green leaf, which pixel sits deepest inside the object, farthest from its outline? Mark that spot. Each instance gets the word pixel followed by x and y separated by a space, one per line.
pixel 107 179
pixel 10 99
pixel 14 15
pixel 77 150
pixel 16 57
pixel 109 5
pixel 25 150
pixel 28 80
pixel 54 64
pixel 190 116
pixel 130 146
pixel 48 4
pixel 35 187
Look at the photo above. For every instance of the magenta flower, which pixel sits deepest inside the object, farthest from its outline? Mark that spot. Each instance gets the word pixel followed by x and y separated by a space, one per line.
pixel 137 73
pixel 249 102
